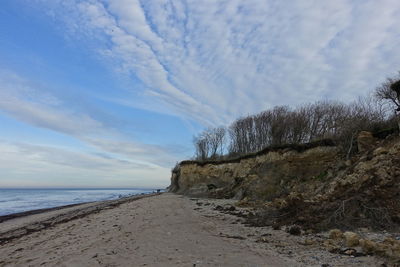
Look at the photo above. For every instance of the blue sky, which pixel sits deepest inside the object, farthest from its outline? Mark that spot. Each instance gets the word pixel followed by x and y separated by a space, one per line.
pixel 100 93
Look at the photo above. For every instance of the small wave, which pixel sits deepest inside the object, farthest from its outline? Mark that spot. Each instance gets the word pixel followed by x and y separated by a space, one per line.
pixel 31 199
pixel 11 200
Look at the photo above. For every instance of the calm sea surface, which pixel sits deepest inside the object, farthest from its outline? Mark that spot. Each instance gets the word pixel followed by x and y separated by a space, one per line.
pixel 19 200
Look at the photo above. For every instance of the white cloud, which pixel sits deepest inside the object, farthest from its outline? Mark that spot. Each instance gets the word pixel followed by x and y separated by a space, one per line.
pixel 29 103
pixel 145 153
pixel 23 164
pixel 213 61
pixel 136 49
pixel 23 101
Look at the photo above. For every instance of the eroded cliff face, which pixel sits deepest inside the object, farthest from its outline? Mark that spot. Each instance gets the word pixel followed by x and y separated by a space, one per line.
pixel 363 192
pixel 316 187
pixel 262 177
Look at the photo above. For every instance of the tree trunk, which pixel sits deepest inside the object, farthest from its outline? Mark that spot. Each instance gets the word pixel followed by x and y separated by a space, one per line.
pixel 398 122
pixel 351 146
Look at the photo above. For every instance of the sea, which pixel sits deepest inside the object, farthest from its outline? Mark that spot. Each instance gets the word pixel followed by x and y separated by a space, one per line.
pixel 20 200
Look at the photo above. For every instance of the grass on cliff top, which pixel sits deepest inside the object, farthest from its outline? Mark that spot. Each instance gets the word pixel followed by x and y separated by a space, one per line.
pixel 295 147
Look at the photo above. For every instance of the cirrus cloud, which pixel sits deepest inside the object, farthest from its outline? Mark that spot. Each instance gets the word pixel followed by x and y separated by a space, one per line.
pixel 212 61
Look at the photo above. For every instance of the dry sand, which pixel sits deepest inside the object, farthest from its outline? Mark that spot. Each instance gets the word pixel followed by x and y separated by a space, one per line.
pixel 162 230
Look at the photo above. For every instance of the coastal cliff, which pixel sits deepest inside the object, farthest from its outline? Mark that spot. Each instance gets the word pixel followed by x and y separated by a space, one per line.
pixel 261 176
pixel 311 185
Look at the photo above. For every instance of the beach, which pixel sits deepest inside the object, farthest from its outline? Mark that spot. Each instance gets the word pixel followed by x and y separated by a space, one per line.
pixel 153 230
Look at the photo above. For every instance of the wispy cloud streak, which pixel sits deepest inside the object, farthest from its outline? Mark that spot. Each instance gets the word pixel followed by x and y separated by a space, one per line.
pixel 212 61
pixel 26 102
pixel 27 165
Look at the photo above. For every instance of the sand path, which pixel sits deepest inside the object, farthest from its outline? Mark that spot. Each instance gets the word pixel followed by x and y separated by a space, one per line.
pixel 163 230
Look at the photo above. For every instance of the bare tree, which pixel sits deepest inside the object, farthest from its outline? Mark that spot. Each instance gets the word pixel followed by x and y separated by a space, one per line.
pixel 389 92
pixel 396 87
pixel 201 147
pixel 279 125
pixel 216 140
pixel 299 124
pixel 262 128
pixel 209 143
pixel 241 135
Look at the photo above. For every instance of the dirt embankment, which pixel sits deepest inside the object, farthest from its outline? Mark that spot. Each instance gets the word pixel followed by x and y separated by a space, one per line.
pixel 315 187
pixel 364 192
pixel 256 177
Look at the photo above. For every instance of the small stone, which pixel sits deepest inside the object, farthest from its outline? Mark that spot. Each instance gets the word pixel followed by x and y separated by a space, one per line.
pixel 348 251
pixel 382 249
pixel 335 234
pixel 231 208
pixel 352 239
pixel 348 163
pixel 276 226
pixel 309 231
pixel 218 207
pixel 367 246
pixel 352 252
pixel 331 246
pixel 309 242
pixel 333 249
pixel 390 241
pixel 380 151
pixel 262 240
pixel 295 230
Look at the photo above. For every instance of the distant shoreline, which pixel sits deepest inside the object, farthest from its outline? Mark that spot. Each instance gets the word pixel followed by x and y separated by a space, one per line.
pixel 76 188
pixel 16 203
pixel 11 216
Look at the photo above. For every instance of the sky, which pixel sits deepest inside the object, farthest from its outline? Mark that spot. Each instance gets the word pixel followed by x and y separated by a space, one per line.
pixel 97 93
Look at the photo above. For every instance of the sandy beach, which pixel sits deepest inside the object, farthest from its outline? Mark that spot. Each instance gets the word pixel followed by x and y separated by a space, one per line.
pixel 160 230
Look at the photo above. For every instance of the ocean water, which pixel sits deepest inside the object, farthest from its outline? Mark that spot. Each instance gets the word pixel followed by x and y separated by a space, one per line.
pixel 20 200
